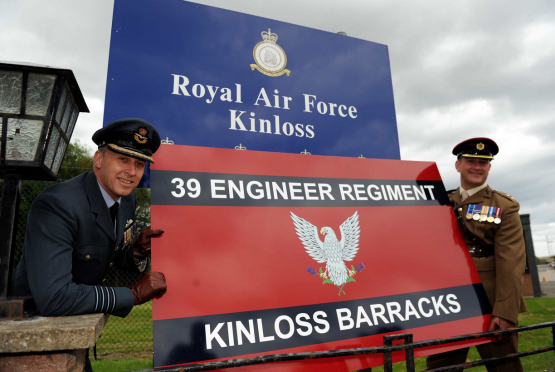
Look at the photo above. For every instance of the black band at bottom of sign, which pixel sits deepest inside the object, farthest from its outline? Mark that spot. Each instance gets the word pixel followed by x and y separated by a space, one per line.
pixel 194 339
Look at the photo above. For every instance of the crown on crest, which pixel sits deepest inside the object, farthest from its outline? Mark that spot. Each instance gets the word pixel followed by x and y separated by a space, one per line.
pixel 269 36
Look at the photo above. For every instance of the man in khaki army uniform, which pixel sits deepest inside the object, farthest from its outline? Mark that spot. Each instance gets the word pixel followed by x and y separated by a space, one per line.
pixel 491 226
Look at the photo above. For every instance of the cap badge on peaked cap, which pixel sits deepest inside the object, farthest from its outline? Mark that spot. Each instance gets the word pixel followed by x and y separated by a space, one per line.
pixel 141 137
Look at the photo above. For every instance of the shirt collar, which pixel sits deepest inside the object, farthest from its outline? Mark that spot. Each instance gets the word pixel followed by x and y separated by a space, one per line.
pixel 107 198
pixel 474 190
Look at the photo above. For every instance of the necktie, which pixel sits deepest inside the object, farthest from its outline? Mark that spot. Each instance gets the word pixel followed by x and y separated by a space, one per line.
pixel 114 212
pixel 464 195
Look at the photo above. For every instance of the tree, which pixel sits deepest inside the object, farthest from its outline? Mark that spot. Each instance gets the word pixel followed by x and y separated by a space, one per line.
pixel 78 159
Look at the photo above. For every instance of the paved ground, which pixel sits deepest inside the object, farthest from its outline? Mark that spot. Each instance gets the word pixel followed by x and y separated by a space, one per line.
pixel 545 272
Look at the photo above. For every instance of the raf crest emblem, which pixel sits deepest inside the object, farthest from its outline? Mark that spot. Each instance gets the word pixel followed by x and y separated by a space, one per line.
pixel 332 251
pixel 269 56
pixel 141 136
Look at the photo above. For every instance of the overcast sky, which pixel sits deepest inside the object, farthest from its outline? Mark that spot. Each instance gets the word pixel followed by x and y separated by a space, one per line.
pixel 460 69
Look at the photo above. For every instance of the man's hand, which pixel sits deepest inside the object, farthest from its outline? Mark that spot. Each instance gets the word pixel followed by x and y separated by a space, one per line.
pixel 142 245
pixel 498 323
pixel 151 285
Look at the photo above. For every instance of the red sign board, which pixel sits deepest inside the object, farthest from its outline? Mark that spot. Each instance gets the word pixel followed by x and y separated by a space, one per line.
pixel 269 253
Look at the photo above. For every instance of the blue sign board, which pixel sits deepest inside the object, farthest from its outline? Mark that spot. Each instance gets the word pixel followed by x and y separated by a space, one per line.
pixel 211 77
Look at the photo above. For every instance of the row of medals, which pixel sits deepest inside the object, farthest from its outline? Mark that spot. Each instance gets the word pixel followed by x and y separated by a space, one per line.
pixel 483 217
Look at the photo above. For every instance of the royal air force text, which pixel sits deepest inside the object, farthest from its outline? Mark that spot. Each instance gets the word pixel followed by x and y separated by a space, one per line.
pixel 248 122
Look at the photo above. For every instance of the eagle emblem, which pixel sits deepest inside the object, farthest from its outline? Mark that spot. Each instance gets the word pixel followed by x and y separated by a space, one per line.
pixel 331 251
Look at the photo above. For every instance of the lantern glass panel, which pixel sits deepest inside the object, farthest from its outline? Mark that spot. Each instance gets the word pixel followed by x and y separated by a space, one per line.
pixel 52 145
pixel 39 93
pixel 60 109
pixel 67 115
pixel 59 156
pixel 10 92
pixel 72 121
pixel 23 138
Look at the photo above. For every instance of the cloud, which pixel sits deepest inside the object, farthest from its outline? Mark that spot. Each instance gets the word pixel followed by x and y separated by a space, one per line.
pixel 459 69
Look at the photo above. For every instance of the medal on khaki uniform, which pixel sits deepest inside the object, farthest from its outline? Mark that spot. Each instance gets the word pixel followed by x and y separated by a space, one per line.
pixel 477 211
pixel 470 211
pixel 497 219
pixel 491 213
pixel 484 214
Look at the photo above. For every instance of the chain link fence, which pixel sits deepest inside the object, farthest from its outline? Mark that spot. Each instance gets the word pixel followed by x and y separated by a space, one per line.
pixel 132 334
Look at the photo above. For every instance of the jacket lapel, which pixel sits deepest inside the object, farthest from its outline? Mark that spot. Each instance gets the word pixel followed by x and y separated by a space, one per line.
pixel 98 206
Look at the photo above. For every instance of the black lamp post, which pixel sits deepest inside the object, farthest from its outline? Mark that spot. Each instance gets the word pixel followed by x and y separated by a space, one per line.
pixel 39 106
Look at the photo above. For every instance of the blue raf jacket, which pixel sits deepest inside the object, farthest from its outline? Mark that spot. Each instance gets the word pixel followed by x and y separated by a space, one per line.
pixel 70 245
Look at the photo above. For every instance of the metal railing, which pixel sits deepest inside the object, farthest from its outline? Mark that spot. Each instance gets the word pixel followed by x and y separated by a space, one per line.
pixel 387 350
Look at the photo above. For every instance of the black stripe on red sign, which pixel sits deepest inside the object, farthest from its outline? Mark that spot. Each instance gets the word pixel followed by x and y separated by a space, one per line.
pixel 219 189
pixel 194 339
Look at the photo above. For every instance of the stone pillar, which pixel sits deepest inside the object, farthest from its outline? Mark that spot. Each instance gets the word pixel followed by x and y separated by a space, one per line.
pixel 42 344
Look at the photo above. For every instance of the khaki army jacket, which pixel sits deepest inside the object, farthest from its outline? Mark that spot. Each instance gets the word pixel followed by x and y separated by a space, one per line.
pixel 501 273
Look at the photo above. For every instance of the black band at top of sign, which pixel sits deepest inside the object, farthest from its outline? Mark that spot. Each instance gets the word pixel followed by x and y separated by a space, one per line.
pixel 221 189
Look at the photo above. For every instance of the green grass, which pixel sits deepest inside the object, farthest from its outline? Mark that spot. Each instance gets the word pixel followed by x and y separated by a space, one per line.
pixel 124 364
pixel 122 345
pixel 540 310
pixel 132 334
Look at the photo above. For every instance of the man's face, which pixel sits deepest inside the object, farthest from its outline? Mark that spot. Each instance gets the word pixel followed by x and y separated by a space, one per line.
pixel 118 174
pixel 474 172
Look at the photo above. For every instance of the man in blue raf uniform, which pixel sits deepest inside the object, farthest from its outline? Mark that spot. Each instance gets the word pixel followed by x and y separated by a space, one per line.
pixel 77 230
pixel 490 224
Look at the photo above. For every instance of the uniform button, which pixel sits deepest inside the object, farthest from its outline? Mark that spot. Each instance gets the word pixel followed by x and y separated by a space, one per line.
pixel 460 209
pixel 104 280
pixel 115 249
pixel 111 264
pixel 87 258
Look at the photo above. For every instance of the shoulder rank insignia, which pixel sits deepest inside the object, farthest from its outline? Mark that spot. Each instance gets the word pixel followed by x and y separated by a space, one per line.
pixel 505 195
